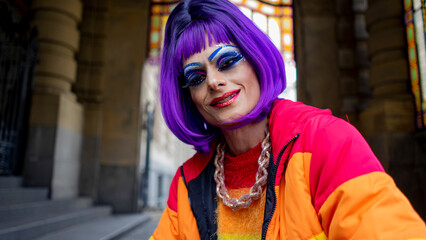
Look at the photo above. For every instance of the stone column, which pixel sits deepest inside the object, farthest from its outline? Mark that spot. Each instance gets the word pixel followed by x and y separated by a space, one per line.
pixel 389 120
pixel 391 107
pixel 53 152
pixel 362 62
pixel 346 60
pixel 316 54
pixel 125 53
pixel 89 88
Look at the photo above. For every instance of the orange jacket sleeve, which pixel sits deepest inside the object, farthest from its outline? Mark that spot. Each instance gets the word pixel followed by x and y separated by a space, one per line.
pixel 370 206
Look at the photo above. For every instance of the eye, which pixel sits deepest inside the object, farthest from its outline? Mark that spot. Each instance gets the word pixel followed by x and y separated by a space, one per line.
pixel 194 79
pixel 228 61
pixel 227 64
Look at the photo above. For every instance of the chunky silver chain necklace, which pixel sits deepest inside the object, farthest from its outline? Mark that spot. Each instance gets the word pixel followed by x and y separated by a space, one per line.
pixel 256 190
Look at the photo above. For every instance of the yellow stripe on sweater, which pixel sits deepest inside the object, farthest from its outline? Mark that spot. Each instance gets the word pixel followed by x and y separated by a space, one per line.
pixel 238 237
pixel 320 236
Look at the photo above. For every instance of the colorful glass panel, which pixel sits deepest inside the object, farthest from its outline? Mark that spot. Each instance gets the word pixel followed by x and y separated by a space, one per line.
pixel 275 18
pixel 415 27
pixel 160 10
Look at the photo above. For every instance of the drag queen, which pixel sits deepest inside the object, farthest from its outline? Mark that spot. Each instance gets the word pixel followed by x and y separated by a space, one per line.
pixel 264 168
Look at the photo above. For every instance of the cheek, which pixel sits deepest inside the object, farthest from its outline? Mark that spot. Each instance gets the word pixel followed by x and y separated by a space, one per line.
pixel 256 86
pixel 252 82
pixel 197 97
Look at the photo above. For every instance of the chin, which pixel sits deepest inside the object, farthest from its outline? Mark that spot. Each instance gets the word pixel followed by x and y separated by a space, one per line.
pixel 227 122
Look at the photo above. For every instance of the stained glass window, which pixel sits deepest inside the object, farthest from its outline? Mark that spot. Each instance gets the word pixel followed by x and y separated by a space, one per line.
pixel 415 17
pixel 274 17
pixel 160 10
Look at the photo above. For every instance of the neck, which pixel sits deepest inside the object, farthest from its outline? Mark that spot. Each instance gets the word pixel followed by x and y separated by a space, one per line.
pixel 242 139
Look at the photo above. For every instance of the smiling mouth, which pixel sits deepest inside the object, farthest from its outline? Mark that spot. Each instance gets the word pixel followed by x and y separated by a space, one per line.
pixel 225 100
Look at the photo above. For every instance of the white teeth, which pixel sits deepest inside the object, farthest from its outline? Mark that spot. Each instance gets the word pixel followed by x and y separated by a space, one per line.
pixel 226 99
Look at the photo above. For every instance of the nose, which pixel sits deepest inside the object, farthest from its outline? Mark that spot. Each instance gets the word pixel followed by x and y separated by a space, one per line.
pixel 215 80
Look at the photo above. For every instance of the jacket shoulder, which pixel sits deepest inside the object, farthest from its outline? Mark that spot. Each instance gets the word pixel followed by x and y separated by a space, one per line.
pixel 288 118
pixel 195 165
pixel 339 154
pixel 189 170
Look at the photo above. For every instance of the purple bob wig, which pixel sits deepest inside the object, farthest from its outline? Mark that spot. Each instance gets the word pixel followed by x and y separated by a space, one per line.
pixel 222 22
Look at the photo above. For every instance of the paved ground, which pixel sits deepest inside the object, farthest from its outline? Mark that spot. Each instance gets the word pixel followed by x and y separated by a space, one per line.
pixel 145 230
pixel 103 228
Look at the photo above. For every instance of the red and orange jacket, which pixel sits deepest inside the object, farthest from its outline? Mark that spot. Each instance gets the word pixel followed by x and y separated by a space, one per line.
pixel 324 182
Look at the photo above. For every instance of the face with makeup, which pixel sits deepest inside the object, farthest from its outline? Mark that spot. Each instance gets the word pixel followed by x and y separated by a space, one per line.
pixel 222 84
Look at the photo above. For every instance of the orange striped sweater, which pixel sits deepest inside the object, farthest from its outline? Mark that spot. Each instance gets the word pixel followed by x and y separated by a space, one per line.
pixel 240 175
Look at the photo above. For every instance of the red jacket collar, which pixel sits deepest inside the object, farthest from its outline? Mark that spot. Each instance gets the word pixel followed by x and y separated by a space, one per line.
pixel 287 119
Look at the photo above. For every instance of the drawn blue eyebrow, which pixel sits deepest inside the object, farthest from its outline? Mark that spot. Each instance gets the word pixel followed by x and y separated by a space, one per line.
pixel 213 55
pixel 194 64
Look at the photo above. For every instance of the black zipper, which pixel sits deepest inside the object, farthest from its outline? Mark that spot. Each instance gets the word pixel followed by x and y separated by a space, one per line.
pixel 274 173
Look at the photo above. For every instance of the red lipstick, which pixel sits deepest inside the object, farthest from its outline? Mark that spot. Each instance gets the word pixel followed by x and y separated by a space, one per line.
pixel 226 99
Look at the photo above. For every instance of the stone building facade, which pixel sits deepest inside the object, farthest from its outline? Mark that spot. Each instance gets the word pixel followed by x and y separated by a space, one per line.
pixel 87 126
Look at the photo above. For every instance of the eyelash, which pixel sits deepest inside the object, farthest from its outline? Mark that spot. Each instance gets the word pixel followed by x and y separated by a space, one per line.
pixel 228 59
pixel 195 80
